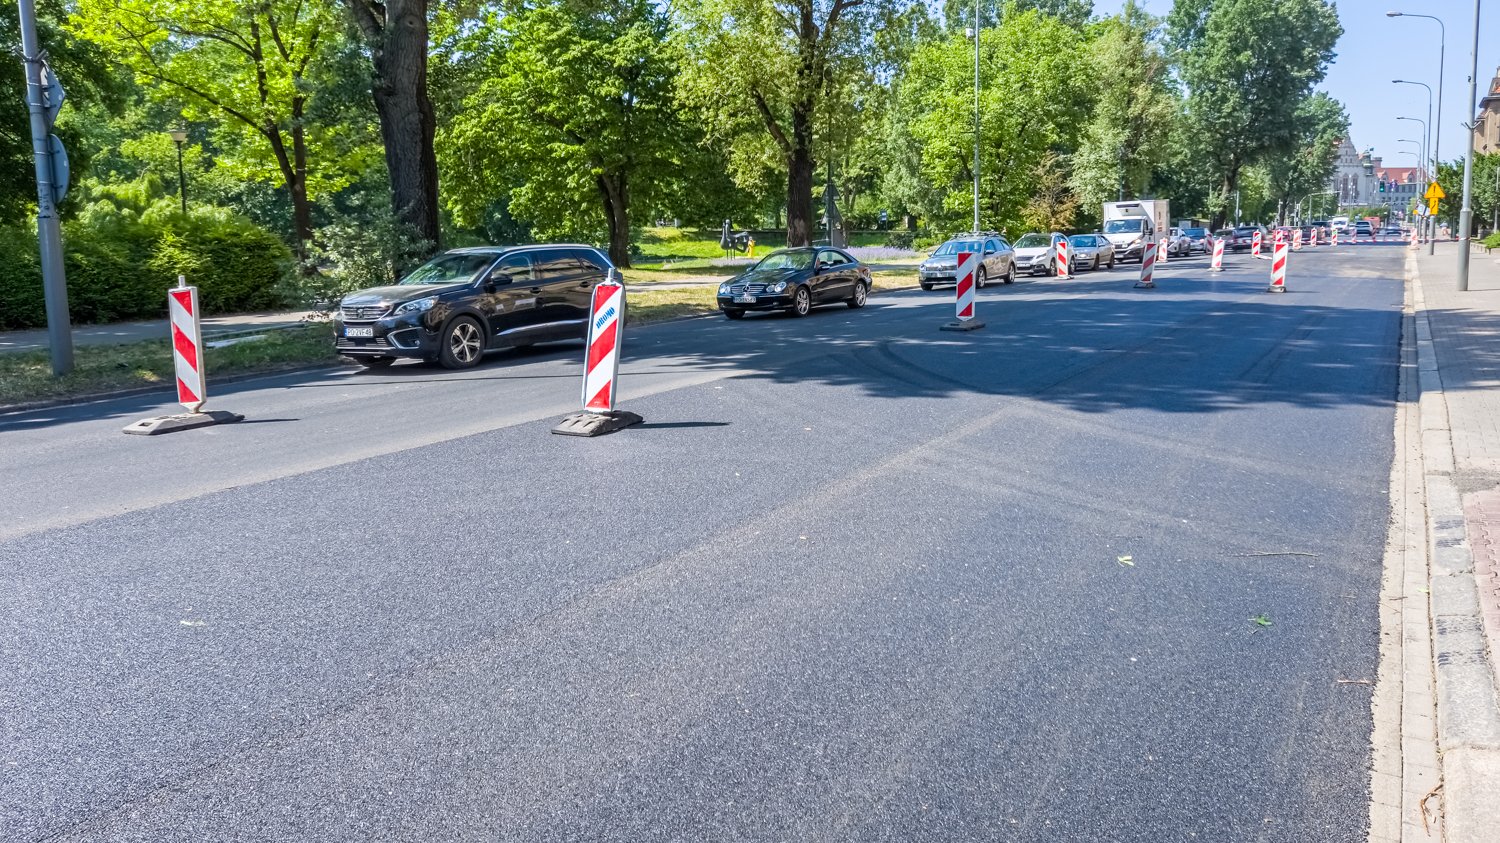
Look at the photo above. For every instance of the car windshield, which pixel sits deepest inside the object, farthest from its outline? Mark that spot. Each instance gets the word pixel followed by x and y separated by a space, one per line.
pixel 450 268
pixel 796 259
pixel 1033 241
pixel 953 247
pixel 1124 226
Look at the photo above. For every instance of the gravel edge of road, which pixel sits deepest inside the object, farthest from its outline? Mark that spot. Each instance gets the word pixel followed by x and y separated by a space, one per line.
pixel 1468 711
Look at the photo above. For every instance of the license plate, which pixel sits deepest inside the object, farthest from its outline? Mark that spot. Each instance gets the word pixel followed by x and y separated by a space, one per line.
pixel 744 298
pixel 358 331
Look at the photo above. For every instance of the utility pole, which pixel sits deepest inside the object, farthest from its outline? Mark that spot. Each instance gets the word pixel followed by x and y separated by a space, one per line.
pixel 976 118
pixel 43 96
pixel 1466 214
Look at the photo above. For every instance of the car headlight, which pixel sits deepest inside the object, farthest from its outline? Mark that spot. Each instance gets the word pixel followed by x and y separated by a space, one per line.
pixel 1137 241
pixel 724 288
pixel 418 306
pixel 777 287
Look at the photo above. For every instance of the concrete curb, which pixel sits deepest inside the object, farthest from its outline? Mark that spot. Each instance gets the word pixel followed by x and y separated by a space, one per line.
pixel 1468 710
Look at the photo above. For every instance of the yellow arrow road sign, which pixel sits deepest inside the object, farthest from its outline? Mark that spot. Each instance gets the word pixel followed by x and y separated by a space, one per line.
pixel 1432 206
pixel 1434 191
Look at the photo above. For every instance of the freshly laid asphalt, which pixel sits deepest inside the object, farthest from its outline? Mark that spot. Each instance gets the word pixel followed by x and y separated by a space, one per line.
pixel 854 579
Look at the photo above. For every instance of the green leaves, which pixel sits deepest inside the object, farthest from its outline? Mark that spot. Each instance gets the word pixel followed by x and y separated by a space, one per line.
pixel 1033 98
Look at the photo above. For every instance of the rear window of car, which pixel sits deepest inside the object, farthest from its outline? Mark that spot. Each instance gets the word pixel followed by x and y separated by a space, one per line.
pixel 1195 232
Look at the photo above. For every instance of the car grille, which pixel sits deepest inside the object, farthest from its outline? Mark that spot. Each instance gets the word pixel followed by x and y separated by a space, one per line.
pixel 361 344
pixel 752 289
pixel 365 313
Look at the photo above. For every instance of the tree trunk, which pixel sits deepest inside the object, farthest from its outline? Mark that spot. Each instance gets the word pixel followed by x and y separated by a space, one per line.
pixel 616 195
pixel 301 208
pixel 294 179
pixel 799 180
pixel 396 33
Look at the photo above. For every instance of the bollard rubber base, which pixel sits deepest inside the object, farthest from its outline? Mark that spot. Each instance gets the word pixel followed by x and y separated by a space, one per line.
pixel 596 424
pixel 1148 285
pixel 963 325
pixel 1276 288
pixel 1216 269
pixel 181 421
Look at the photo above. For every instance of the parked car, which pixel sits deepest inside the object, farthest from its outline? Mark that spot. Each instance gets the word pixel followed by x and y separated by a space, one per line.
pixel 465 302
pixel 997 261
pixel 1091 251
pixel 796 280
pixel 1177 244
pixel 1035 253
pixel 1242 238
pixel 1197 240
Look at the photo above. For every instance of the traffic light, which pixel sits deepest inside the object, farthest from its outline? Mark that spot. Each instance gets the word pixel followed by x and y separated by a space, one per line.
pixel 1382 185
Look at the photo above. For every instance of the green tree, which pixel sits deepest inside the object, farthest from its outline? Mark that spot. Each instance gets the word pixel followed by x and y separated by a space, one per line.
pixel 761 71
pixel 250 62
pixel 1307 164
pixel 396 41
pixel 94 93
pixel 1129 126
pixel 1247 66
pixel 584 91
pixel 1033 97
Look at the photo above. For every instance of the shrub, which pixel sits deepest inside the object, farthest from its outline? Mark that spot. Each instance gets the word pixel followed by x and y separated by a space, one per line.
pixel 901 239
pixel 1493 241
pixel 352 253
pixel 121 256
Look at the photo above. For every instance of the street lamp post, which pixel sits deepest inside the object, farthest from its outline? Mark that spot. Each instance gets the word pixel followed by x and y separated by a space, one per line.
pixel 1426 137
pixel 179 137
pixel 1466 213
pixel 1437 126
pixel 975 35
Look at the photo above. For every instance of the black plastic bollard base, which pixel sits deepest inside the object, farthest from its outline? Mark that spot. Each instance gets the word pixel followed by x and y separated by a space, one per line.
pixel 963 325
pixel 596 424
pixel 182 421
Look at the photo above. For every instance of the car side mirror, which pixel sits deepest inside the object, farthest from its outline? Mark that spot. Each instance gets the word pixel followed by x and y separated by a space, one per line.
pixel 496 279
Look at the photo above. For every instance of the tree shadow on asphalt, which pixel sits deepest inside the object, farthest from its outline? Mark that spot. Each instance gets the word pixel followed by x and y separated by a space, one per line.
pixel 1195 344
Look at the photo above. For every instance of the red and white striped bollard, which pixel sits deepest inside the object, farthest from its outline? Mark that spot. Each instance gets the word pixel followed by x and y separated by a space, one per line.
pixel 1255 243
pixel 601 365
pixel 968 265
pixel 1064 258
pixel 1278 267
pixel 1148 267
pixel 185 324
pixel 1218 260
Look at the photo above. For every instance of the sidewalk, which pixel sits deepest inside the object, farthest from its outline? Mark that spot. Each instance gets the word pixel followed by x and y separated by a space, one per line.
pixel 153 329
pixel 1457 338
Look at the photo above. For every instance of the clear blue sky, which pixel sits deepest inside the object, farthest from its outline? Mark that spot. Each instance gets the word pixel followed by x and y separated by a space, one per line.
pixel 1376 49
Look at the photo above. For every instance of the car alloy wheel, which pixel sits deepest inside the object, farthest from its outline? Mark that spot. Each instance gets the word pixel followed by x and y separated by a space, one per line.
pixel 1010 274
pixel 463 345
pixel 802 302
pixel 980 278
pixel 860 295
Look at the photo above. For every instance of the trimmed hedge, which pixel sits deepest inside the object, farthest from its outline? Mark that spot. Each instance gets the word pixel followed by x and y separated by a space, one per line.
pixel 120 264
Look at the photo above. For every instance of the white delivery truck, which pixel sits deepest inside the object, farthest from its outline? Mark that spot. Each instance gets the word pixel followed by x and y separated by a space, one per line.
pixel 1130 225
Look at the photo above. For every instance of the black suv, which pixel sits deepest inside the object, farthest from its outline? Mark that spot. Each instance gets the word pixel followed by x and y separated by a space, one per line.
pixel 463 303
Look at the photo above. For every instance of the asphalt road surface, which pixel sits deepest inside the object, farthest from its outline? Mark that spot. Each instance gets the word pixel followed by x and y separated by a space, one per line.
pixel 854 579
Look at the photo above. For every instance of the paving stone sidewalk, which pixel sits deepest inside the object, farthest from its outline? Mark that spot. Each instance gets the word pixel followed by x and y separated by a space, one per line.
pixel 1458 351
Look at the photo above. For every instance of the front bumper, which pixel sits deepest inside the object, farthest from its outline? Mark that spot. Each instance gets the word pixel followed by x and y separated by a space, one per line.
pixel 406 335
pixel 1129 252
pixel 763 301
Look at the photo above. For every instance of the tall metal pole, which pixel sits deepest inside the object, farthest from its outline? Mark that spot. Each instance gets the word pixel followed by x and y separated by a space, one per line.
pixel 976 117
pixel 181 180
pixel 1466 213
pixel 49 235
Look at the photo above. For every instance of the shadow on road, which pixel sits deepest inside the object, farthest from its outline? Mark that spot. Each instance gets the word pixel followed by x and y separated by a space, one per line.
pixel 1194 344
